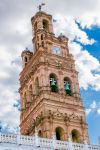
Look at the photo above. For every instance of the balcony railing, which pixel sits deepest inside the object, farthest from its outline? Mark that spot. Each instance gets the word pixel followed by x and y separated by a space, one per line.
pixel 52 144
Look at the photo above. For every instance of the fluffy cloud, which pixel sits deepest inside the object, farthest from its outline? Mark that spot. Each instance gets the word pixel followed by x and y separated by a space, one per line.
pixel 15 35
pixel 86 12
pixel 68 25
pixel 88 67
pixel 98 111
pixel 93 107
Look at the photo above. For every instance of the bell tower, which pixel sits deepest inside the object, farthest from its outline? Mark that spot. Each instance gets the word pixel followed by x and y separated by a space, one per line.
pixel 49 88
pixel 41 26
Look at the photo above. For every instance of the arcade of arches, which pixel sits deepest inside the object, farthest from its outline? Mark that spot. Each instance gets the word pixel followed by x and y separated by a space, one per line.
pixel 60 135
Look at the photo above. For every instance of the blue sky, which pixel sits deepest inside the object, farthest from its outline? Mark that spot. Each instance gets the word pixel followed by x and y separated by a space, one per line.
pixel 90 94
pixel 95 48
pixel 80 22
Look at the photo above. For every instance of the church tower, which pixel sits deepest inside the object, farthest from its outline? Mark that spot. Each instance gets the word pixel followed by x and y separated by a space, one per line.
pixel 49 88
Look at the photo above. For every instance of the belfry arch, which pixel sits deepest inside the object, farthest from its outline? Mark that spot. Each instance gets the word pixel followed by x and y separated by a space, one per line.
pixel 45 25
pixel 53 83
pixel 68 86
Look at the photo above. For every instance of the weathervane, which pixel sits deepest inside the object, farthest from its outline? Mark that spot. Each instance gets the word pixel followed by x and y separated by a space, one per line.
pixel 40 6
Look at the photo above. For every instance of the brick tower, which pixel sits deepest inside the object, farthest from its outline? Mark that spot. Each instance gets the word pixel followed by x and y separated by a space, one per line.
pixel 49 88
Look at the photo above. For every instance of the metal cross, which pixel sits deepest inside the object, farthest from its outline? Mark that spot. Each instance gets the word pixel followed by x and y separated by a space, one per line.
pixel 40 6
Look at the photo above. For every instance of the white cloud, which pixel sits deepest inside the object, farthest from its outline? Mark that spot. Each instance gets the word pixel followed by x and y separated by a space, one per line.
pixel 98 111
pixel 93 107
pixel 88 111
pixel 87 66
pixel 67 25
pixel 86 12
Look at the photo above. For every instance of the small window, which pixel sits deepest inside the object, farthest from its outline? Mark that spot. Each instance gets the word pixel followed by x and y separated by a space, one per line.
pixel 25 59
pixel 42 44
pixel 42 37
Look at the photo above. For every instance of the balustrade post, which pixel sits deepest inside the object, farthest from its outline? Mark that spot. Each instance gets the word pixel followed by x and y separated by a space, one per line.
pixel 0 138
pixel 18 139
pixel 54 140
pixel 36 138
pixel 70 144
pixel 85 145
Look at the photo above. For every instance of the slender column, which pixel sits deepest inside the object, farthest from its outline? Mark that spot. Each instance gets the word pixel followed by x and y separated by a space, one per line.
pixel 36 138
pixel 18 139
pixel 70 144
pixel 85 145
pixel 0 138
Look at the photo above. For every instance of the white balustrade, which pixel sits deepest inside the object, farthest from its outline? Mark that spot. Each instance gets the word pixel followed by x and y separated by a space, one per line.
pixel 52 144
pixel 44 142
pixel 8 138
pixel 94 147
pixel 77 146
pixel 26 140
pixel 62 145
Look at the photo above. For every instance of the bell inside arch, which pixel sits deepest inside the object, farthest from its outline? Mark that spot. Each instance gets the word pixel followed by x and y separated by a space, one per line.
pixel 53 84
pixel 67 88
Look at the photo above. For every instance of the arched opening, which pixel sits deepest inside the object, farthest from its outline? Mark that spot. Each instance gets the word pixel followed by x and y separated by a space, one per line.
pixel 30 93
pixel 25 59
pixel 45 25
pixel 40 133
pixel 53 83
pixel 59 133
pixel 75 136
pixel 41 36
pixel 37 86
pixel 67 86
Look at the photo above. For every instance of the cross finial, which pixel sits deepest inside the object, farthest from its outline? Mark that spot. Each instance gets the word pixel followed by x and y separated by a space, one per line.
pixel 40 6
